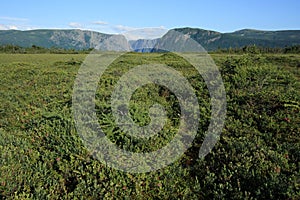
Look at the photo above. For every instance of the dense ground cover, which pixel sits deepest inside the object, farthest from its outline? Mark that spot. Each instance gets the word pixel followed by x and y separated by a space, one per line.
pixel 258 155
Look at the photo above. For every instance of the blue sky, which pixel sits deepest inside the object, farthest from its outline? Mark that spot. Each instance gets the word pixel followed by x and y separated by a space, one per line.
pixel 153 17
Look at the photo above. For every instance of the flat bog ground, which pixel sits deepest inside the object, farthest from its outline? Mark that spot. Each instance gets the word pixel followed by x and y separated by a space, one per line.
pixel 257 156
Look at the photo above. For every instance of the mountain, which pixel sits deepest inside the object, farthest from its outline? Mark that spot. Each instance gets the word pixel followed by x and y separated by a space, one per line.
pixel 210 40
pixel 67 39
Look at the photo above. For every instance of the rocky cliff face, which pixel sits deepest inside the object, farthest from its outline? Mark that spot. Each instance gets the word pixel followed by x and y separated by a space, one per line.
pixel 176 41
pixel 113 43
pixel 212 40
pixel 68 39
pixel 77 39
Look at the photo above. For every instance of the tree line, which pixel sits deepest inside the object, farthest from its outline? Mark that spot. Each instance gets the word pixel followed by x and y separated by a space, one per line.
pixel 259 49
pixel 55 50
pixel 37 49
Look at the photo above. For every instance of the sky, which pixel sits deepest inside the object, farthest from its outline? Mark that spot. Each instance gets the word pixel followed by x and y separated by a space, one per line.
pixel 150 19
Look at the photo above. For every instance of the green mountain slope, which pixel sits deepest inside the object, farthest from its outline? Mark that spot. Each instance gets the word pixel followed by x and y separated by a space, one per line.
pixel 212 40
pixel 67 39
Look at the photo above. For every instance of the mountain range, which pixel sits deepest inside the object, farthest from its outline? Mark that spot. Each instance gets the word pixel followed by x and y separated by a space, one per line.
pixel 210 40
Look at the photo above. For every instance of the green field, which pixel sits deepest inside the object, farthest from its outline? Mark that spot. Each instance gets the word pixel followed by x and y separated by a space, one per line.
pixel 257 157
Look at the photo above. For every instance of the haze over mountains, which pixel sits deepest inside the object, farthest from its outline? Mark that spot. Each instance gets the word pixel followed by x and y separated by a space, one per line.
pixel 210 40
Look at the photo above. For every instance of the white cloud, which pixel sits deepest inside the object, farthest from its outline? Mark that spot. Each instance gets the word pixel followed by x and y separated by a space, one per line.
pixel 13 27
pixel 10 27
pixel 145 33
pixel 3 27
pixel 100 23
pixel 75 25
pixel 133 33
pixel 121 28
pixel 12 18
pixel 14 23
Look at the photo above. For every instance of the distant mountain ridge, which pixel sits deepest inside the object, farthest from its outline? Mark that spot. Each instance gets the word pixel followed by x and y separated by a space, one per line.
pixel 212 40
pixel 83 39
pixel 66 39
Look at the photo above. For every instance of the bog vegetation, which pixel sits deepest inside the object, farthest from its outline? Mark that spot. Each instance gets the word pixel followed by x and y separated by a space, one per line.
pixel 257 157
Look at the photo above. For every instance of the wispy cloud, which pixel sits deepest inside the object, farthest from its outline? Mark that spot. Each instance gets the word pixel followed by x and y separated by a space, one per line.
pixel 12 27
pixel 122 28
pixel 145 33
pixel 133 33
pixel 14 23
pixel 13 18
pixel 75 25
pixel 3 27
pixel 100 23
